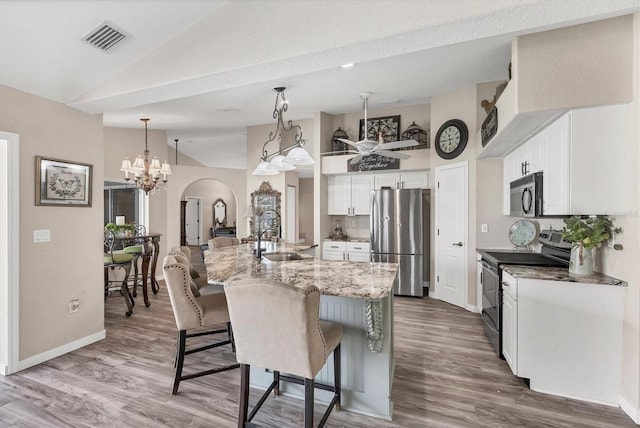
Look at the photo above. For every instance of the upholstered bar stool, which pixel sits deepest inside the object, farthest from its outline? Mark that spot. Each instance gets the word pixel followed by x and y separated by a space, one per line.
pixel 194 313
pixel 276 326
pixel 121 261
pixel 223 241
pixel 200 286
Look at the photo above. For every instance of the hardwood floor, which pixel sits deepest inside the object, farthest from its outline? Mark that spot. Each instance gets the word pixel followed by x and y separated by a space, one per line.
pixel 446 376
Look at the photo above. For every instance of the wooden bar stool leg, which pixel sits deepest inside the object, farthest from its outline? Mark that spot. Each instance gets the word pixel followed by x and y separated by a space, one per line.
pixel 337 379
pixel 308 403
pixel 182 339
pixel 245 370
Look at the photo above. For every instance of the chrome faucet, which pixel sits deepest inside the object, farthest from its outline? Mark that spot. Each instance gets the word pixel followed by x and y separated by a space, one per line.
pixel 259 247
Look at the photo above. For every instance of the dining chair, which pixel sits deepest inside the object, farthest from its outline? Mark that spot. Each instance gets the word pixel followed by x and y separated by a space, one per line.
pixel 137 251
pixel 122 261
pixel 277 327
pixel 193 314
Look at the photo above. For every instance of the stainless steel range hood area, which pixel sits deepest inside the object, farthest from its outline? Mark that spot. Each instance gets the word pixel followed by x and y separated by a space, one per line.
pixel 549 78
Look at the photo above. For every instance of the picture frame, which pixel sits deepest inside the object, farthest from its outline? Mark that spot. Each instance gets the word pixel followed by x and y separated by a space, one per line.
pixel 388 125
pixel 63 183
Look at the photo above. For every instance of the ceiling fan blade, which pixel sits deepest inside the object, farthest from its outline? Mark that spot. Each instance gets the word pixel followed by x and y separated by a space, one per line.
pixel 351 143
pixel 340 152
pixel 398 144
pixel 356 159
pixel 395 155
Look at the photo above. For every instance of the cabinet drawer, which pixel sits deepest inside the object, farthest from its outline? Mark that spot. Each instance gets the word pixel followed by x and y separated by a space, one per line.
pixel 334 246
pixel 510 285
pixel 358 247
pixel 359 257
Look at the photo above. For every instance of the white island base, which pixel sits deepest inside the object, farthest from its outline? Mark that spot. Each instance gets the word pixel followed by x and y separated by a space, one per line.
pixel 367 377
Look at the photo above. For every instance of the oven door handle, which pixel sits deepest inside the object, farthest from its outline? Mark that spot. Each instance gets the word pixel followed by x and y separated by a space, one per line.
pixel 488 324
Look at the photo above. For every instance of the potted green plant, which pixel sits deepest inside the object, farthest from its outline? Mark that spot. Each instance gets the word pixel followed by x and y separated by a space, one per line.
pixel 585 234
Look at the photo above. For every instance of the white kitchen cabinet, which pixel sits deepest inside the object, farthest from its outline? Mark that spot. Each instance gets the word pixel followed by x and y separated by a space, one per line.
pixel 565 337
pixel 334 250
pixel 349 194
pixel 341 250
pixel 358 252
pixel 583 156
pixel 403 180
pixel 586 162
pixel 510 321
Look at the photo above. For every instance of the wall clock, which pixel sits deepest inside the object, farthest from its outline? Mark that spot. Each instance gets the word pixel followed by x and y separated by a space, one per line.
pixel 451 139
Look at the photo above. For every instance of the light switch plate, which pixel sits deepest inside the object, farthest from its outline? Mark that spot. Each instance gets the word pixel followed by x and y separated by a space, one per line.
pixel 43 235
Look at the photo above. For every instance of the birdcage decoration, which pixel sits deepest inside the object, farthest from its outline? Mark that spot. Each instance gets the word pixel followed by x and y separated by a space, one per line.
pixel 415 132
pixel 337 146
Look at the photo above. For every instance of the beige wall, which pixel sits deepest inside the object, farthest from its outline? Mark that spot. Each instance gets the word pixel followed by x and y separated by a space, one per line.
pixel 306 209
pixel 53 273
pixel 210 190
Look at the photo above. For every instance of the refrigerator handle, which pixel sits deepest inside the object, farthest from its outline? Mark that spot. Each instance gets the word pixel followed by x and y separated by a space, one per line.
pixel 372 219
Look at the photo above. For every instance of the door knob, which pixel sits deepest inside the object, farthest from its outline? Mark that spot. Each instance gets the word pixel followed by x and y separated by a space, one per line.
pixel 458 244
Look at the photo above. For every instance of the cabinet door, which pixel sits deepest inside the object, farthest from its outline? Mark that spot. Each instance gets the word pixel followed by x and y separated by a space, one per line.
pixel 535 152
pixel 557 138
pixel 387 180
pixel 359 257
pixel 361 187
pixel 339 195
pixel 510 332
pixel 333 255
pixel 414 180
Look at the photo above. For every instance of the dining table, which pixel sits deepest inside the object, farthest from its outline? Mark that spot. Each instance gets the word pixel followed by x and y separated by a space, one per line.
pixel 150 249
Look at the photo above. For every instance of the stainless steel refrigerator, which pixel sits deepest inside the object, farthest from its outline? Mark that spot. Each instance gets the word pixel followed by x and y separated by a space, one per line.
pixel 398 234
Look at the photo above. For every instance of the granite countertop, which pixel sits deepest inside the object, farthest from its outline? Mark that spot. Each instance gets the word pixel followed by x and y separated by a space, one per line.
pixel 333 278
pixel 559 274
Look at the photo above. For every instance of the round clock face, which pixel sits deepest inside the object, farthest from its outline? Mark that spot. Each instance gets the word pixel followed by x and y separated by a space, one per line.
pixel 451 139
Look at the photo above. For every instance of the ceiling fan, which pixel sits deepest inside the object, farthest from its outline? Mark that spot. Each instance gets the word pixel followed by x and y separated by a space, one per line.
pixel 367 146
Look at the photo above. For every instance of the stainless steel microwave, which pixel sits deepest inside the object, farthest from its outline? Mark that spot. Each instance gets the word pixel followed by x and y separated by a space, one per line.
pixel 526 196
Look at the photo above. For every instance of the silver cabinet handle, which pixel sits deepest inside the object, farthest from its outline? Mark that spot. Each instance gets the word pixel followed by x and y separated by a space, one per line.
pixel 458 244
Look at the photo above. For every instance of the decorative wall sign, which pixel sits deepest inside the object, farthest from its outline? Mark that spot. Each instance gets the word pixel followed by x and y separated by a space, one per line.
pixel 489 126
pixel 373 163
pixel 63 183
pixel 389 126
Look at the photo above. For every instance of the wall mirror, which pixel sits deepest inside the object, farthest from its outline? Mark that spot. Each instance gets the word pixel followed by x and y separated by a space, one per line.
pixel 265 201
pixel 220 213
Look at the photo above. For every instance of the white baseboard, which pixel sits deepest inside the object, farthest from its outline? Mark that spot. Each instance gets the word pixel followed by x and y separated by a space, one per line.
pixel 633 413
pixel 61 350
pixel 472 308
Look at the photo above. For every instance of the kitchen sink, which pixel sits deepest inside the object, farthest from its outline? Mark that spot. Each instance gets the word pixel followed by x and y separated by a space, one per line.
pixel 282 256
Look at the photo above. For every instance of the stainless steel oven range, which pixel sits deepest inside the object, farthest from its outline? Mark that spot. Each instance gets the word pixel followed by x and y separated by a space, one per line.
pixel 555 252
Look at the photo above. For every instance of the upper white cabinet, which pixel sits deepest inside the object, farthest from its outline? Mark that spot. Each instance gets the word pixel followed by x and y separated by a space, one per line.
pixel 403 180
pixel 583 156
pixel 349 194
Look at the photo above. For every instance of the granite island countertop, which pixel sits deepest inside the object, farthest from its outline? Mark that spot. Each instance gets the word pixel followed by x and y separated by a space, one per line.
pixel 560 274
pixel 333 278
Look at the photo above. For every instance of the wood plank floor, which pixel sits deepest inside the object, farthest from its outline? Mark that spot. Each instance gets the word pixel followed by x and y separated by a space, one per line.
pixel 446 376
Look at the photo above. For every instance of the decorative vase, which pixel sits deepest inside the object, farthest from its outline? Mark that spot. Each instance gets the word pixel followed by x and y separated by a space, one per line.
pixel 581 262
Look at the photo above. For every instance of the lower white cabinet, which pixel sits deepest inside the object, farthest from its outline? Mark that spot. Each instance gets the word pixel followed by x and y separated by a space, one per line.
pixel 510 321
pixel 565 337
pixel 346 251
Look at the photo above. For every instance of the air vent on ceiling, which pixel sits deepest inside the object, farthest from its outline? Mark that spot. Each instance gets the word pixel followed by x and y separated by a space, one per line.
pixel 104 36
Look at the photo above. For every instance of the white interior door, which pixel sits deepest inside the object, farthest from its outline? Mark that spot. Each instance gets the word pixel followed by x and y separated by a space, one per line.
pixel 292 203
pixel 451 225
pixel 192 220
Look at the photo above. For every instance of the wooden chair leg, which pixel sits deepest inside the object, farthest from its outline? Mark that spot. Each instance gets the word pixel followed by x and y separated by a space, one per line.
pixel 308 403
pixel 230 334
pixel 337 379
pixel 276 379
pixel 182 339
pixel 243 412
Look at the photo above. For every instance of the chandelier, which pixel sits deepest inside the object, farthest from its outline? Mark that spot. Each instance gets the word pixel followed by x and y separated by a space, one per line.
pixel 273 163
pixel 146 173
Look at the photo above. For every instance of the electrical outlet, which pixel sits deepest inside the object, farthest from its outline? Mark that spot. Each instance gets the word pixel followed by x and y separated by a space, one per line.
pixel 484 228
pixel 74 305
pixel 354 223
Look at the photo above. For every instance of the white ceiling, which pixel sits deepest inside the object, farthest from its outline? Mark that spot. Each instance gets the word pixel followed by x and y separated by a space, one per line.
pixel 203 70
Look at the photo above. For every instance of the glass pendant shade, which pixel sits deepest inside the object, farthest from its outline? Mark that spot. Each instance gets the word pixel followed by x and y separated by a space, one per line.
pixel 299 156
pixel 278 164
pixel 263 169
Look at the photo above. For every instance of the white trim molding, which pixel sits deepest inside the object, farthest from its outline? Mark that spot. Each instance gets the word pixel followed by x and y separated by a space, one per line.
pixel 633 413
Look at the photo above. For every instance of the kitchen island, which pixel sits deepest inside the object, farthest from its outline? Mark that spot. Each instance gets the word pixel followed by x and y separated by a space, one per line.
pixel 355 294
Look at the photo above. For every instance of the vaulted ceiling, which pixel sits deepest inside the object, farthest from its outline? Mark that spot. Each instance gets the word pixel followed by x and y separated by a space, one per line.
pixel 203 69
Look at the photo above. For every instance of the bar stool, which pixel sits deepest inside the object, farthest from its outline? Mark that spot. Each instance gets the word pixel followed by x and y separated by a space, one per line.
pixel 192 313
pixel 276 326
pixel 121 261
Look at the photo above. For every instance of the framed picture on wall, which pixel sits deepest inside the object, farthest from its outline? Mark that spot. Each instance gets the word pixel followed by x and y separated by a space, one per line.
pixel 388 126
pixel 63 183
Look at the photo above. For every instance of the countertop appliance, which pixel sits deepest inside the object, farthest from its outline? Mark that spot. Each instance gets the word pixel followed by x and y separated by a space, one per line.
pixel 555 252
pixel 398 221
pixel 526 196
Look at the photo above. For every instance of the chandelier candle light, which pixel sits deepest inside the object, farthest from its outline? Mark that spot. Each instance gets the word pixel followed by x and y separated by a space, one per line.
pixel 272 164
pixel 146 173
